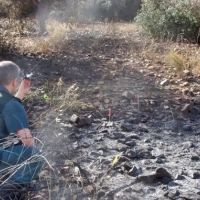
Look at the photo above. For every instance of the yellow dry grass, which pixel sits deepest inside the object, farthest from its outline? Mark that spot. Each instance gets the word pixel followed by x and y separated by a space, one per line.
pixel 55 41
pixel 177 62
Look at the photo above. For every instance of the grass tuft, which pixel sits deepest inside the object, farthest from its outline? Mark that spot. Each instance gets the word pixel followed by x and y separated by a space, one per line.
pixel 177 62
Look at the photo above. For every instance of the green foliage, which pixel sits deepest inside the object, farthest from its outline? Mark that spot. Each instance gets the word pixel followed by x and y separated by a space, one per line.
pixel 170 19
pixel 117 9
pixel 80 10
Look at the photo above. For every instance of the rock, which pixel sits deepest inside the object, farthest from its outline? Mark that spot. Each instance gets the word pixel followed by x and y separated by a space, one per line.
pixel 134 136
pixel 84 122
pixel 127 127
pixel 122 147
pixel 193 174
pixel 164 82
pixel 143 129
pixel 100 194
pixel 74 118
pixel 147 140
pixel 127 95
pixel 96 153
pixel 161 173
pixel 117 135
pixel 96 90
pixel 133 120
pixel 127 165
pixel 102 147
pixel 147 177
pixel 131 143
pixel 179 177
pixel 159 160
pixel 106 101
pixel 132 171
pixel 187 127
pixel 171 125
pixel 122 140
pixel 195 158
pixel 130 153
pixel 173 194
pixel 157 153
pixel 85 144
pixel 165 180
pixel 188 145
pixel 143 152
pixel 187 72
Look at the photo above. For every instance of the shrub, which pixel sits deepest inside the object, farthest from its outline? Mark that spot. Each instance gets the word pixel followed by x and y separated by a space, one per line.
pixel 170 19
pixel 116 9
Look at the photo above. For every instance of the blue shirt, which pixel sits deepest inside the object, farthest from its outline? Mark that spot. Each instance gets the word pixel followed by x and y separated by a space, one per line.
pixel 12 114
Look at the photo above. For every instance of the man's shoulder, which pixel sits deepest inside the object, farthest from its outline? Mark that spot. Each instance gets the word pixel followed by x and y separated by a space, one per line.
pixel 14 102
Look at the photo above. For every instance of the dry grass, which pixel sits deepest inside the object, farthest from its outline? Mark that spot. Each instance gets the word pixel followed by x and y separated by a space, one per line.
pixel 196 68
pixel 177 62
pixel 55 41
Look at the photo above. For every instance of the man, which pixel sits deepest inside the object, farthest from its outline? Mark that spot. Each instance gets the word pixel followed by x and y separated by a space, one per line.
pixel 18 155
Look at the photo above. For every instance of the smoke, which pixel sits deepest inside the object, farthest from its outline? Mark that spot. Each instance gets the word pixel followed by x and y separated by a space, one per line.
pixel 87 11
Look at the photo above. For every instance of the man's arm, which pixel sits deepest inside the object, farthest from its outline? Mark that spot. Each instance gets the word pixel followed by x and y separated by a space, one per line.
pixel 25 136
pixel 24 88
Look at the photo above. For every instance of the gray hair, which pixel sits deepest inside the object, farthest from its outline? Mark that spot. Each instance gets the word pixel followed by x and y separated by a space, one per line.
pixel 8 72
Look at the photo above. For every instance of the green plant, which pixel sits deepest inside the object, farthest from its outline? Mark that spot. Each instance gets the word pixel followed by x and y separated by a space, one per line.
pixel 170 19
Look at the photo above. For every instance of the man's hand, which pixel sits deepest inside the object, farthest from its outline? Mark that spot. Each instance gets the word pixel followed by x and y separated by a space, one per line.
pixel 24 88
pixel 26 137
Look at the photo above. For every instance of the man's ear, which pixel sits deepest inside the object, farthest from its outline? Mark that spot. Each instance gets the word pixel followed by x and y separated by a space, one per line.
pixel 14 82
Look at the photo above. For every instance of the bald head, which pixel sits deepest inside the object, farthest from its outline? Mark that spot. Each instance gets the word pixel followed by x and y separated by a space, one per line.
pixel 8 72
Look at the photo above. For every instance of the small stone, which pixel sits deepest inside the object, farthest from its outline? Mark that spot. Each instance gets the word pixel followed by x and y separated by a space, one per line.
pixel 122 147
pixel 195 158
pixel 127 127
pixel 187 127
pixel 143 129
pixel 188 145
pixel 171 125
pixel 166 180
pixel 132 171
pixel 128 95
pixel 131 143
pixel 106 101
pixel 127 165
pixel 157 153
pixel 164 82
pixel 162 172
pixel 147 177
pixel 130 153
pixel 100 194
pixel 117 135
pixel 187 72
pixel 102 147
pixel 173 194
pixel 74 118
pixel 179 177
pixel 184 84
pixel 96 90
pixel 84 122
pixel 134 136
pixel 193 174
pixel 134 120
pixel 159 160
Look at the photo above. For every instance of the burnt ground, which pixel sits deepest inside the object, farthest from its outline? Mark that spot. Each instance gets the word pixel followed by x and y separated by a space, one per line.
pixel 146 153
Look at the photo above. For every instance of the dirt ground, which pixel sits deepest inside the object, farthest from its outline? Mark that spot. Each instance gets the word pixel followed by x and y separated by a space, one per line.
pixel 114 66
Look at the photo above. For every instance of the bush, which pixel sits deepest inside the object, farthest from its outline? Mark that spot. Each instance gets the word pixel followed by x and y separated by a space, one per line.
pixel 117 9
pixel 171 19
pixel 78 11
